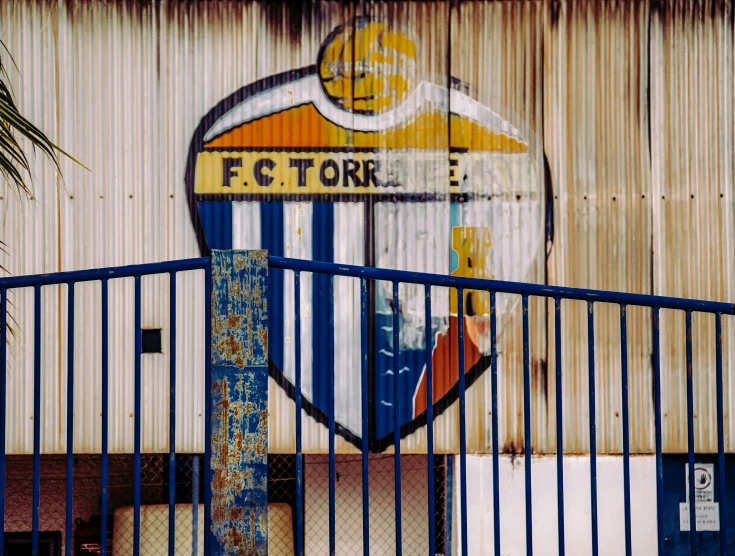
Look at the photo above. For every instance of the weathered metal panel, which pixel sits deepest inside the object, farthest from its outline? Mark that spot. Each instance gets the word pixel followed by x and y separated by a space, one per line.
pixel 692 76
pixel 239 443
pixel 596 141
pixel 239 318
pixel 404 234
pixel 627 102
pixel 497 50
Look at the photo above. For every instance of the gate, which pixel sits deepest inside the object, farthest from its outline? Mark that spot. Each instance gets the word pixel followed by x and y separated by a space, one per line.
pixel 235 511
pixel 72 280
pixel 714 543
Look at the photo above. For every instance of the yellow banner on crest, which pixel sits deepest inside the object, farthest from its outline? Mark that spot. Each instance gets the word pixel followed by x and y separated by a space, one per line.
pixel 336 173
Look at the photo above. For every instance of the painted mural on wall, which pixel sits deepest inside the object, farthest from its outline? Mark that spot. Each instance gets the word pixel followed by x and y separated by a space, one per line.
pixel 362 159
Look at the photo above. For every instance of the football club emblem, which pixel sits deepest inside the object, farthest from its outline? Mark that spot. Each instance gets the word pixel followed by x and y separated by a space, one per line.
pixel 362 159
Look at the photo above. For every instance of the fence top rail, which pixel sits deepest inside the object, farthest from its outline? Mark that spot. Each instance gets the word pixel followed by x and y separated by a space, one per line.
pixel 128 271
pixel 501 286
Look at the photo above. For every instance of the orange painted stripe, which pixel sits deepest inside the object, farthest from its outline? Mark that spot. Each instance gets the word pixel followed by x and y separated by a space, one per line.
pixel 305 127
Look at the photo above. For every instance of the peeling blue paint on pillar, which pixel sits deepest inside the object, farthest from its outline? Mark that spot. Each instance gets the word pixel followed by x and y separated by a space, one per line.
pixel 239 442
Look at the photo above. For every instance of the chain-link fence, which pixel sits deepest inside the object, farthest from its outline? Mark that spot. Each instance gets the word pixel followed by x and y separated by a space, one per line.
pixel 349 520
pixel 440 501
pixel 190 516
pixel 282 504
pixel 19 544
pixel 349 524
pixel 154 515
pixel 87 499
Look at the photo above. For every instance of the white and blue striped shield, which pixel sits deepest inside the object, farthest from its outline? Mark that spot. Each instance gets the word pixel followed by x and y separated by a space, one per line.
pixel 361 160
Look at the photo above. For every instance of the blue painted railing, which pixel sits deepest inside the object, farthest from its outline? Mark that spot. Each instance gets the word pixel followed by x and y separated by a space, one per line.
pixel 364 275
pixel 71 279
pixel 493 287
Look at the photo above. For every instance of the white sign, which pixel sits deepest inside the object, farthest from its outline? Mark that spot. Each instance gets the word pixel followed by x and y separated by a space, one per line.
pixel 708 516
pixel 704 482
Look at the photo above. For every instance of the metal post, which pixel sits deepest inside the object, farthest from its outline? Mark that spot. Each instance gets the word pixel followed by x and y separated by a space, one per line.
pixel 239 442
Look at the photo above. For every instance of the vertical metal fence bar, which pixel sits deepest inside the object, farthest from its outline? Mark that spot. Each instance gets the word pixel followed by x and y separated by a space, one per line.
pixel 3 403
pixel 559 426
pixel 172 417
pixel 690 438
pixel 655 315
pixel 105 374
pixel 494 403
pixel 462 422
pixel 593 428
pixel 208 407
pixel 527 453
pixel 364 385
pixel 396 414
pixel 69 529
pixel 332 460
pixel 449 506
pixel 720 437
pixel 239 479
pixel 36 416
pixel 137 420
pixel 195 506
pixel 299 401
pixel 626 426
pixel 428 354
pixel 396 423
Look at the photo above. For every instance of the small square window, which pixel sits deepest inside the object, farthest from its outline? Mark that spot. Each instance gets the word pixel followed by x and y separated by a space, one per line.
pixel 151 340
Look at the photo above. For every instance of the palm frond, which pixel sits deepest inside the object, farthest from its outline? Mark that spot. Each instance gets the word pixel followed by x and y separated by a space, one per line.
pixel 15 168
pixel 3 72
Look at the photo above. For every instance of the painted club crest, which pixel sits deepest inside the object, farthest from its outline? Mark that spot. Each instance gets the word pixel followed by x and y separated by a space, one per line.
pixel 362 159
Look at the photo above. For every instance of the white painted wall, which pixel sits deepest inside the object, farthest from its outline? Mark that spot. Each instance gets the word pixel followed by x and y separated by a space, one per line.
pixel 578 537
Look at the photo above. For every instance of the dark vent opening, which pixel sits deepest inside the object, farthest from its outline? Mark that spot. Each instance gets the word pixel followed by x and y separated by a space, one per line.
pixel 151 340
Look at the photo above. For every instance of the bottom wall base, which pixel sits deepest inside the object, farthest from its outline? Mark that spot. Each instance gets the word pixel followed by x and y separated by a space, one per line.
pixel 577 515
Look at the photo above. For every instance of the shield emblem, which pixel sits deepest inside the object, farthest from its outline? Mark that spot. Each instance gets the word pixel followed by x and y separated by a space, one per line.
pixel 360 159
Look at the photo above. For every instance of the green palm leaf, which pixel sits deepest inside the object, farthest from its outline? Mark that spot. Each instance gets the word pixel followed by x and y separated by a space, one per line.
pixel 15 168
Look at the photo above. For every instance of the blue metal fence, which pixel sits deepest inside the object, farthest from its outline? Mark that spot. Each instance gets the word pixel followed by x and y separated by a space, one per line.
pixel 493 287
pixel 364 275
pixel 71 279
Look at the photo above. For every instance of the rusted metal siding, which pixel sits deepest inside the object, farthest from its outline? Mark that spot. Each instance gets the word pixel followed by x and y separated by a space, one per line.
pixel 497 48
pixel 693 199
pixel 596 139
pixel 638 127
pixel 627 108
pixel 90 77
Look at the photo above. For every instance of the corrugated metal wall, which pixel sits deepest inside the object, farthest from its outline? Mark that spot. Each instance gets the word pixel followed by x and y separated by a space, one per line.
pixel 597 141
pixel 630 103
